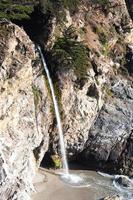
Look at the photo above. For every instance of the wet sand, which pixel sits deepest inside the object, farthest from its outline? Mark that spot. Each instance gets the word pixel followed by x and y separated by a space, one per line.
pixel 49 187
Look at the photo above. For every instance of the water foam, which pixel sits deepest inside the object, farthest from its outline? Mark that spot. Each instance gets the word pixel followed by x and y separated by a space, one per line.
pixel 74 180
pixel 125 191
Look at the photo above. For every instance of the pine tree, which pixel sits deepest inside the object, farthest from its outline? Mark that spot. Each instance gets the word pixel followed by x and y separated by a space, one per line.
pixel 69 53
pixel 16 9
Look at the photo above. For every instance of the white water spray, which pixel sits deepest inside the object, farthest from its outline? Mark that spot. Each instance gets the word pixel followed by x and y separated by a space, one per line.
pixel 62 145
pixel 126 192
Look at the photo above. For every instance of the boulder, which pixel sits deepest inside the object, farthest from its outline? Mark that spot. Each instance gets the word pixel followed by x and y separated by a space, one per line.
pixel 114 197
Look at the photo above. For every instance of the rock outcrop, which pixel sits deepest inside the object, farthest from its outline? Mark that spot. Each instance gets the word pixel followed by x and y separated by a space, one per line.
pixel 21 127
pixel 130 7
pixel 80 106
pixel 110 138
pixel 114 197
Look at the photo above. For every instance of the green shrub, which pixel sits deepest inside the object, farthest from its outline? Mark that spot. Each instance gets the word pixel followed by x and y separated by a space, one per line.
pixel 37 94
pixel 106 49
pixel 102 34
pixel 4 31
pixel 57 161
pixel 105 4
pixel 57 94
pixel 123 71
pixel 16 10
pixel 72 5
pixel 108 92
pixel 68 53
pixel 57 8
pixel 103 38
pixel 82 30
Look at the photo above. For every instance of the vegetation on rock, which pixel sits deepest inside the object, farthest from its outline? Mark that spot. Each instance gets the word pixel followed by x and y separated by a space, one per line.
pixel 57 8
pixel 69 53
pixel 57 94
pixel 37 95
pixel 4 31
pixel 57 161
pixel 16 10
pixel 103 3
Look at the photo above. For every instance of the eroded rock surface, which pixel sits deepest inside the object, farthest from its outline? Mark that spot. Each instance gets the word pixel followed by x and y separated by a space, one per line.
pixel 20 133
pixel 108 142
pixel 115 197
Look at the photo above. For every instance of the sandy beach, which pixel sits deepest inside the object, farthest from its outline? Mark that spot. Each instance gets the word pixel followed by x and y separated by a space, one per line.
pixel 48 186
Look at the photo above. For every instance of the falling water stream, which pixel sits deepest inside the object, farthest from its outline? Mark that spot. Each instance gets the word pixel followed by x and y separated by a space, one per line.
pixel 62 145
pixel 71 179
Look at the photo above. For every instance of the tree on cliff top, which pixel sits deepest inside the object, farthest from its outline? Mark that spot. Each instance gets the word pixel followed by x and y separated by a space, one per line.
pixel 69 53
pixel 16 9
pixel 56 8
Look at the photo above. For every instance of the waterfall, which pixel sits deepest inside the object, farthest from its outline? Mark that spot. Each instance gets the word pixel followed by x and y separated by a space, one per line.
pixel 73 180
pixel 62 145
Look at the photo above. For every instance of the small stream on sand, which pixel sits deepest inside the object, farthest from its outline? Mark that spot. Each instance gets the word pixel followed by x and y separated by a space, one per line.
pixel 51 187
pixel 56 189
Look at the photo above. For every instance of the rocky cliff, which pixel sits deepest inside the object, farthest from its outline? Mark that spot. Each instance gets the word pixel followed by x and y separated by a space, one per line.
pixel 97 114
pixel 110 138
pixel 95 101
pixel 21 127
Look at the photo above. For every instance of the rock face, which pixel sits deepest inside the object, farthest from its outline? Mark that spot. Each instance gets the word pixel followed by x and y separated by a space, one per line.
pixel 110 138
pixel 80 106
pixel 115 197
pixel 20 133
pixel 104 97
pixel 130 7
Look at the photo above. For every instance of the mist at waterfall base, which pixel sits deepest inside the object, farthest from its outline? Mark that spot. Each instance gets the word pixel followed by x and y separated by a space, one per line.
pixel 82 180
